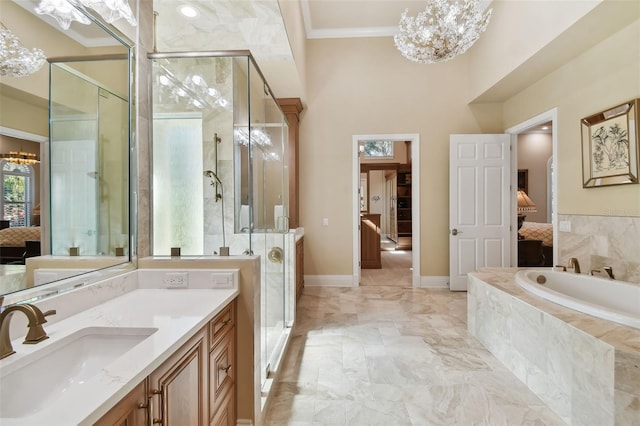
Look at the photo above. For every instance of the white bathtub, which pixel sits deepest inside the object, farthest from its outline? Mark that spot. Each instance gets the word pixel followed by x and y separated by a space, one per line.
pixel 612 300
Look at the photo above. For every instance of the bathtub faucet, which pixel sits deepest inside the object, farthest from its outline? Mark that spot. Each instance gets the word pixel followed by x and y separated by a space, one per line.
pixel 574 264
pixel 607 269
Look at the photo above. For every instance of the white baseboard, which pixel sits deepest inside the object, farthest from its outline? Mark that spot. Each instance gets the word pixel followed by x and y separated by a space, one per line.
pixel 349 281
pixel 434 282
pixel 329 281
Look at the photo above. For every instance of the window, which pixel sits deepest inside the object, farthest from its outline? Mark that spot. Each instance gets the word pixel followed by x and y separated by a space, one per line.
pixel 17 193
pixel 378 149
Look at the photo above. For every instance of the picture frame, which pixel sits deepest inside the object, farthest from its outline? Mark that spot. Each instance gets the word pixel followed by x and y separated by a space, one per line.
pixel 610 146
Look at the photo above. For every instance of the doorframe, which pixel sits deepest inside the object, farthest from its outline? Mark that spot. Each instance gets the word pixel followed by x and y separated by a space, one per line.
pixel 414 138
pixel 550 115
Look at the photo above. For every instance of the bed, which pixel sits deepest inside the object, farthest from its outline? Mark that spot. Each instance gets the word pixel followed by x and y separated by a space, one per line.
pixel 15 241
pixel 534 231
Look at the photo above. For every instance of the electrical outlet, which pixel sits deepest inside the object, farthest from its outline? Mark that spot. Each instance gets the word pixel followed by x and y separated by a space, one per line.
pixel 221 280
pixel 176 279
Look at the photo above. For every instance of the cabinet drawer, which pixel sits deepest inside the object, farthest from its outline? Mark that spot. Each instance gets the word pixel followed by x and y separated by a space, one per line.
pixel 222 370
pixel 222 323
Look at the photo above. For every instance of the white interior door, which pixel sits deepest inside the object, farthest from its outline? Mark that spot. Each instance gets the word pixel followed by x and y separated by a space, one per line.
pixel 479 205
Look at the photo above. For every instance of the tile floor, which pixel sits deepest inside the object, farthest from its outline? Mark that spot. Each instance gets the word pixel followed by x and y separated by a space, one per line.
pixel 396 270
pixel 394 356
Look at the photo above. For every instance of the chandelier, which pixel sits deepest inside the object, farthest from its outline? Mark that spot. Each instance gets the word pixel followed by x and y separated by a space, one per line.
pixel 15 59
pixel 443 31
pixel 19 157
pixel 64 11
pixel 192 91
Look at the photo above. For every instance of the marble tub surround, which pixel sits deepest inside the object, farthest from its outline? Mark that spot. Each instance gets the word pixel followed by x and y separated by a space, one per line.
pixel 598 241
pixel 393 356
pixel 586 369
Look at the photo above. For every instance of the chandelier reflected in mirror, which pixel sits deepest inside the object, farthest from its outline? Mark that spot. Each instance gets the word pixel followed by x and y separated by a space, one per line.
pixel 15 59
pixel 444 30
pixel 65 11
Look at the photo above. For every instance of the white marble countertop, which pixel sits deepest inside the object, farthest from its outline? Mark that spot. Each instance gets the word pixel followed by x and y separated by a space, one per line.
pixel 176 314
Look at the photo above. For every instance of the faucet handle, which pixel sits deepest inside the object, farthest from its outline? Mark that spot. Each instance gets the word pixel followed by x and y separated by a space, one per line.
pixel 49 312
pixel 609 271
pixel 564 268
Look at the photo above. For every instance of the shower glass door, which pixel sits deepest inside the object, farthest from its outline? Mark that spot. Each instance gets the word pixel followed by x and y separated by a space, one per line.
pixel 267 133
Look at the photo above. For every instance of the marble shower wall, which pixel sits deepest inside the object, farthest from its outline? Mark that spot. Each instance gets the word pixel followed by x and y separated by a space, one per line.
pixel 598 241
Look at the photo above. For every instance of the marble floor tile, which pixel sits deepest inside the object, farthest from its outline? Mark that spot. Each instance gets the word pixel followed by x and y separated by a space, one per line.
pixel 395 356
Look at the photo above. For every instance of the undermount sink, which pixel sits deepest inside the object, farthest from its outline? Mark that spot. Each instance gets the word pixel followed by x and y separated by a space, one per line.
pixel 37 379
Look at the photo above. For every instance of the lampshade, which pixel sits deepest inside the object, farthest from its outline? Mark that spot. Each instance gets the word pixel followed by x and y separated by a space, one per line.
pixel 525 204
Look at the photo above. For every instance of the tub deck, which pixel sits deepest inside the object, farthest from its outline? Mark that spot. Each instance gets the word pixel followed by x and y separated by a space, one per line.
pixel 585 368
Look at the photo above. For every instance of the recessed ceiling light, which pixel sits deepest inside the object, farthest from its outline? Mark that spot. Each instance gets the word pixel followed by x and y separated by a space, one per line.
pixel 188 11
pixel 545 127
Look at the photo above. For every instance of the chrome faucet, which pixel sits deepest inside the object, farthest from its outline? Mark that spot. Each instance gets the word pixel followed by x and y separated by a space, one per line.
pixel 35 334
pixel 574 264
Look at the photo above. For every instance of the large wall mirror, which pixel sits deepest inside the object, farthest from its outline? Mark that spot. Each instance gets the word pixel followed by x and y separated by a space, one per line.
pixel 68 212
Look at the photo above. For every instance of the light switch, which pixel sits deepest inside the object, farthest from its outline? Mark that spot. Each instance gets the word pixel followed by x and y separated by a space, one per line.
pixel 325 221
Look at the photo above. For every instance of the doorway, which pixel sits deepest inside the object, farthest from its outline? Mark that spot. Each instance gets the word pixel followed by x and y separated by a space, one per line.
pixel 398 223
pixel 536 225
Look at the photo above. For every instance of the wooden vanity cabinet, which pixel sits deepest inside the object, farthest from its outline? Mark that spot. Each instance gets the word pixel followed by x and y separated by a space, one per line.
pixel 195 386
pixel 177 388
pixel 132 410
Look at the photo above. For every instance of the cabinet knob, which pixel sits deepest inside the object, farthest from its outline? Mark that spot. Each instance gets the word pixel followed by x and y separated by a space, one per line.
pixel 225 369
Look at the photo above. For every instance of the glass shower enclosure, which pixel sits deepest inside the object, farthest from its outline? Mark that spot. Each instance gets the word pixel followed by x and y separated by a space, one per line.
pixel 220 187
pixel 89 156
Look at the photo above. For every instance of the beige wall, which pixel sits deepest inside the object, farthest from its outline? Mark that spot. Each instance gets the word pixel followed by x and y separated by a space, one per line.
pixel 534 151
pixel 292 17
pixel 364 86
pixel 602 77
pixel 519 30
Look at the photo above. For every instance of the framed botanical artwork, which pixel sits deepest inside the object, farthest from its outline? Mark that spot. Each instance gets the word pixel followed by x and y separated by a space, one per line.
pixel 610 146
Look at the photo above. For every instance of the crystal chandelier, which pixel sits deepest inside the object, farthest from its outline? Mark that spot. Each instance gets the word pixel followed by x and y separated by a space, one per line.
pixel 15 59
pixel 64 11
pixel 443 31
pixel 193 91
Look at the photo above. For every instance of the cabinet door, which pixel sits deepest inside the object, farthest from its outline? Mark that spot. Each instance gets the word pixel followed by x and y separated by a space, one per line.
pixel 132 410
pixel 226 414
pixel 223 370
pixel 178 387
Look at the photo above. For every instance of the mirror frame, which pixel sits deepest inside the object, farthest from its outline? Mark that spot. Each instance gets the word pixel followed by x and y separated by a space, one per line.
pixel 129 262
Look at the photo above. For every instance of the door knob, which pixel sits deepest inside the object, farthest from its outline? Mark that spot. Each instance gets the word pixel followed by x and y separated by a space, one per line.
pixel 454 231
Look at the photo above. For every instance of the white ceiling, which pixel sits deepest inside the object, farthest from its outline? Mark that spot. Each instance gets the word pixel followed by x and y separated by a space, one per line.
pixel 355 18
pixel 358 18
